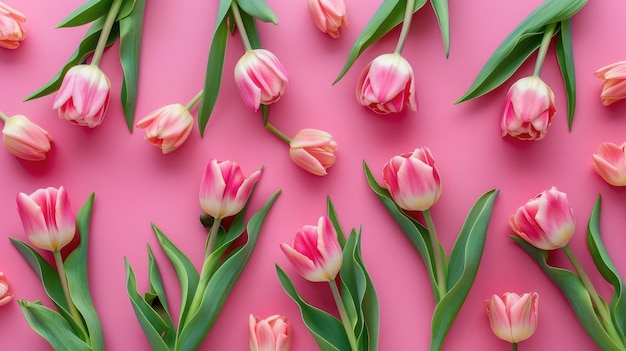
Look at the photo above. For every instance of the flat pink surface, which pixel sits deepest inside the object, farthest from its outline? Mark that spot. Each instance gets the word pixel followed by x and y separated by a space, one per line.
pixel 136 185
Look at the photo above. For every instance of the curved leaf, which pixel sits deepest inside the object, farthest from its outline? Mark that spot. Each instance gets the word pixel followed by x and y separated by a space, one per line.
pixel 258 9
pixel 88 12
pixel 443 17
pixel 249 23
pixel 158 301
pixel 332 216
pixel 565 57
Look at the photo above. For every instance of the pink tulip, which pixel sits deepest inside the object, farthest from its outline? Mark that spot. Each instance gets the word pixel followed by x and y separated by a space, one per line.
pixel 613 82
pixel 329 15
pixel 528 110
pixel 47 218
pixel 84 96
pixel 5 297
pixel 11 29
pixel 167 127
pixel 315 253
pixel 387 85
pixel 413 180
pixel 313 150
pixel 225 190
pixel 25 139
pixel 513 318
pixel 260 78
pixel 610 163
pixel 270 334
pixel 546 221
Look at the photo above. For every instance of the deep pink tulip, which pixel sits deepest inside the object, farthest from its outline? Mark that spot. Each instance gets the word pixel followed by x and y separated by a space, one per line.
pixel 225 190
pixel 25 139
pixel 315 253
pixel 413 180
pixel 546 221
pixel 260 78
pixel 168 127
pixel 610 163
pixel 47 218
pixel 11 27
pixel 270 334
pixel 313 150
pixel 387 85
pixel 513 317
pixel 613 82
pixel 84 96
pixel 528 110
pixel 5 297
pixel 329 15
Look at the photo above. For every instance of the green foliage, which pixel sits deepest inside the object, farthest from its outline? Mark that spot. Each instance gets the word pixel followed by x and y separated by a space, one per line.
pixel 565 57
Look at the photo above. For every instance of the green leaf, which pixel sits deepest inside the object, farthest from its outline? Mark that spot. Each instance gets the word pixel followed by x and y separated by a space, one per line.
pixel 463 265
pixel 159 301
pixel 369 301
pixel 352 286
pixel 565 56
pixel 332 216
pixel 258 9
pixel 249 23
pixel 130 44
pixel 443 17
pixel 128 7
pixel 88 12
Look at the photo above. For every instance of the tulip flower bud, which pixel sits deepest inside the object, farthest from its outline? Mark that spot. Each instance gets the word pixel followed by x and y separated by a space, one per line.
pixel 84 96
pixel 546 221
pixel 528 110
pixel 313 150
pixel 329 15
pixel 613 82
pixel 11 30
pixel 25 139
pixel 270 334
pixel 610 163
pixel 168 127
pixel 260 78
pixel 513 317
pixel 5 297
pixel 387 85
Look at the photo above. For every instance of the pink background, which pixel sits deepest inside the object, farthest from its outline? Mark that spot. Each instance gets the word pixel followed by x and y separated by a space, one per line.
pixel 136 185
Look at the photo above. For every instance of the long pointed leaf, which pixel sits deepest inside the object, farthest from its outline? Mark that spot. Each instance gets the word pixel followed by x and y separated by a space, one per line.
pixel 258 9
pixel 332 216
pixel 443 17
pixel 156 288
pixel 88 12
pixel 369 302
pixel 565 57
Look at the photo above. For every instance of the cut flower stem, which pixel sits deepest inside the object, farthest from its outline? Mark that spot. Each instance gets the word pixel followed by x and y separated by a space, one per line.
pixel 240 27
pixel 195 100
pixel 543 49
pixel 3 117
pixel 343 315
pixel 106 30
pixel 406 24
pixel 58 260
pixel 272 128
pixel 440 274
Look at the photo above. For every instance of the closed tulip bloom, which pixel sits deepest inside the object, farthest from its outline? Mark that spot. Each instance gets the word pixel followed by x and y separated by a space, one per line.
pixel 224 189
pixel 329 15
pixel 613 82
pixel 528 110
pixel 387 85
pixel 11 27
pixel 5 297
pixel 270 334
pixel 313 150
pixel 84 96
pixel 47 218
pixel 513 317
pixel 260 78
pixel 315 253
pixel 25 139
pixel 546 221
pixel 610 163
pixel 413 180
pixel 168 127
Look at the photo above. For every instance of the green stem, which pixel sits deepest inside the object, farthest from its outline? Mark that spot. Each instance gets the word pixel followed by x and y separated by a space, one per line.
pixel 344 315
pixel 240 27
pixel 195 100
pixel 58 260
pixel 106 30
pixel 277 132
pixel 434 241
pixel 406 24
pixel 212 235
pixel 3 117
pixel 543 49
pixel 514 346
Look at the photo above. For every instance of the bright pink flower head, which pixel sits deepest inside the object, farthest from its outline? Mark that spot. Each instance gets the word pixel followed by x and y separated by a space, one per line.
pixel 613 82
pixel 413 180
pixel 546 221
pixel 329 15
pixel 610 163
pixel 5 297
pixel 313 150
pixel 25 139
pixel 260 78
pixel 168 127
pixel 528 110
pixel 387 85
pixel 270 334
pixel 225 190
pixel 47 218
pixel 84 96
pixel 11 27
pixel 513 318
pixel 315 253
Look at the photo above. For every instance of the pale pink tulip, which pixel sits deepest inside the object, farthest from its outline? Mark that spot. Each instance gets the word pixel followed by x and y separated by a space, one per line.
pixel 613 82
pixel 315 253
pixel 413 180
pixel 5 297
pixel 260 78
pixel 313 150
pixel 84 96
pixel 546 221
pixel 329 15
pixel 11 27
pixel 387 85
pixel 225 190
pixel 25 139
pixel 47 218
pixel 513 317
pixel 168 127
pixel 610 163
pixel 270 334
pixel 528 110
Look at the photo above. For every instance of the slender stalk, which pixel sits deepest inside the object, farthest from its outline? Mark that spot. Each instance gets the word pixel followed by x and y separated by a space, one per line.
pixel 344 315
pixel 195 100
pixel 277 132
pixel 3 117
pixel 514 346
pixel 434 241
pixel 212 234
pixel 406 24
pixel 240 26
pixel 543 49
pixel 106 30
pixel 58 260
